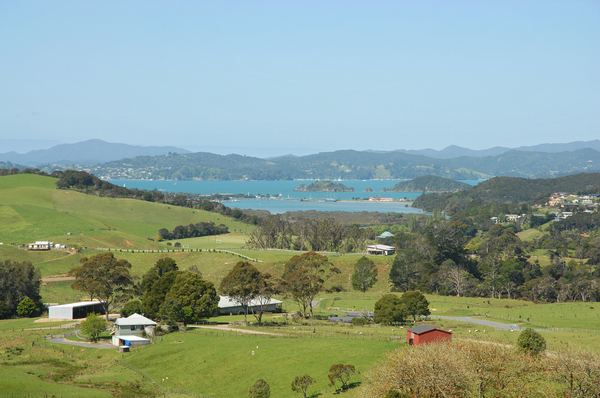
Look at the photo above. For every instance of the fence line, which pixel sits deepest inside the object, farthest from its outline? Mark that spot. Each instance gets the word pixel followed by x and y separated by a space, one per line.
pixel 179 251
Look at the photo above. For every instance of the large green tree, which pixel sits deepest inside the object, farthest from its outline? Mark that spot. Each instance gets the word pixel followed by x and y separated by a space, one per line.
pixel 390 309
pixel 305 276
pixel 17 281
pixel 242 284
pixel 155 295
pixel 93 326
pixel 103 276
pixel 415 303
pixel 160 268
pixel 196 293
pixel 365 274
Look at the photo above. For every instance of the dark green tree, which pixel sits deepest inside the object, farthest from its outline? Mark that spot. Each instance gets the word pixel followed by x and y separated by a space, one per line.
pixel 132 307
pixel 160 268
pixel 531 341
pixel 171 312
pixel 365 274
pixel 389 310
pixel 415 303
pixel 17 281
pixel 103 276
pixel 192 291
pixel 155 296
pixel 260 389
pixel 403 273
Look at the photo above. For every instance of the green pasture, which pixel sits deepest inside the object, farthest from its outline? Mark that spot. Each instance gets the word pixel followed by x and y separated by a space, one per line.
pixel 32 209
pixel 529 234
pixel 28 323
pixel 221 364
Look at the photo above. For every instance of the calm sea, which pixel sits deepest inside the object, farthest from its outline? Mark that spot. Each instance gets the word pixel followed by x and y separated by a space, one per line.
pixel 288 200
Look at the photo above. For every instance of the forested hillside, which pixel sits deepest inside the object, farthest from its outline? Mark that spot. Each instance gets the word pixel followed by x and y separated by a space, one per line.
pixel 349 164
pixel 509 190
pixel 428 184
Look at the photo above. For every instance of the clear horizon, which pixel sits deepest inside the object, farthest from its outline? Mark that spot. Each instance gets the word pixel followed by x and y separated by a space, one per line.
pixel 272 78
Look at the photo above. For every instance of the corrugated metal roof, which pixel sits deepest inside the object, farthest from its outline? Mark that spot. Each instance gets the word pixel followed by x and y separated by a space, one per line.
pixel 132 338
pixel 228 302
pixel 422 329
pixel 135 319
pixel 80 304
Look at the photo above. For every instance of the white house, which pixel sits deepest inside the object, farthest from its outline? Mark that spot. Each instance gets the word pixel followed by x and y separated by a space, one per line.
pixel 41 245
pixel 127 330
pixel 381 250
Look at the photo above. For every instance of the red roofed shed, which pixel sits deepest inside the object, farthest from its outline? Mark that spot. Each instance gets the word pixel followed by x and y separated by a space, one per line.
pixel 424 334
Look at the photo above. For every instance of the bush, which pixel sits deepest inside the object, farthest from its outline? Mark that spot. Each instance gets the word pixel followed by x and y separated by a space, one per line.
pixel 26 308
pixel 302 384
pixel 341 373
pixel 132 307
pixel 93 326
pixel 260 389
pixel 359 321
pixel 390 309
pixel 531 341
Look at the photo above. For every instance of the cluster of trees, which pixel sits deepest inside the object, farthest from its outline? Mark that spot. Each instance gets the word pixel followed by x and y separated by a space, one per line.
pixel 326 234
pixel 19 289
pixel 391 309
pixel 172 296
pixel 445 260
pixel 472 369
pixel 193 231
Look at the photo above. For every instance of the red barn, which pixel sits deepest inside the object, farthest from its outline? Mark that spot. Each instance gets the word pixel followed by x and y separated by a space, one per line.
pixel 424 334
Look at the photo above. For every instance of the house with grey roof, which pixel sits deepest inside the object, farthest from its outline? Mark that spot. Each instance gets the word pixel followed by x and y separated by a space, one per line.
pixel 127 330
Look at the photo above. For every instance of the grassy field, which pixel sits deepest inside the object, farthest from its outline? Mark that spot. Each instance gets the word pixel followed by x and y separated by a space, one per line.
pixel 221 364
pixel 32 209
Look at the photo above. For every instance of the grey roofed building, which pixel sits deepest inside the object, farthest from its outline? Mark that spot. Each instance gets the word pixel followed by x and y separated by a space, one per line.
pixel 227 306
pixel 381 250
pixel 75 310
pixel 132 325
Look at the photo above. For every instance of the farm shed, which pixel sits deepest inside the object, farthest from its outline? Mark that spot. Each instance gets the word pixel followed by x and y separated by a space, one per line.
pixel 75 310
pixel 41 245
pixel 381 250
pixel 424 334
pixel 228 306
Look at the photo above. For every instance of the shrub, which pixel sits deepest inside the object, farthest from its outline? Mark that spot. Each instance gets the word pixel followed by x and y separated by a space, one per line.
pixel 531 341
pixel 260 389
pixel 359 321
pixel 132 307
pixel 26 308
pixel 93 326
pixel 390 309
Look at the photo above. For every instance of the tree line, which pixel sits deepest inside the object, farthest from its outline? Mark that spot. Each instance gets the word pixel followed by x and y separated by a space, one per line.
pixel 193 231
pixel 19 289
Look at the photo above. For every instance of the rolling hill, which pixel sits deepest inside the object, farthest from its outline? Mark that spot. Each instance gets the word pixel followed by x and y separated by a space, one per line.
pixel 31 208
pixel 428 184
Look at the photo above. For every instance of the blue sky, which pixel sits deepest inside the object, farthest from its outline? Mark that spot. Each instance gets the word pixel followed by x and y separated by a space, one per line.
pixel 266 78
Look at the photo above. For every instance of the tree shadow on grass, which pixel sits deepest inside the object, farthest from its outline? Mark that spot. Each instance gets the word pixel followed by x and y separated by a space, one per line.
pixel 350 386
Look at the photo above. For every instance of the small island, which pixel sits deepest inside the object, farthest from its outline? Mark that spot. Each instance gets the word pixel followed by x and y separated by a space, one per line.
pixel 324 186
pixel 367 190
pixel 429 183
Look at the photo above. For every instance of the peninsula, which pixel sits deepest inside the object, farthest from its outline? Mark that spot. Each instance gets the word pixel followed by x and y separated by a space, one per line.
pixel 429 183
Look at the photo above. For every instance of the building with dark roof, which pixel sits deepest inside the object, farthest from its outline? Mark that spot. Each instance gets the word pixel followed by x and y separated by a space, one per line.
pixel 424 334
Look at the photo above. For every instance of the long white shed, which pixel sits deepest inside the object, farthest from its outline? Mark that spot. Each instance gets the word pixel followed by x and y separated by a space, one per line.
pixel 75 310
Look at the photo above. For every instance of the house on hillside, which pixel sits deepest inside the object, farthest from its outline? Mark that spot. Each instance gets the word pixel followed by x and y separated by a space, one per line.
pixel 75 310
pixel 41 245
pixel 424 334
pixel 127 330
pixel 380 250
pixel 386 234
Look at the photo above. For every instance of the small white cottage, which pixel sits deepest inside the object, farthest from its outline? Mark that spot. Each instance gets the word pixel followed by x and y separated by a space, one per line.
pixel 127 330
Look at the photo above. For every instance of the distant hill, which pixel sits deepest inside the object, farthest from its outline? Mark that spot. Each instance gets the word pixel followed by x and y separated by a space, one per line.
pixel 349 165
pixel 454 151
pixel 509 190
pixel 86 153
pixel 324 186
pixel 428 184
pixel 10 165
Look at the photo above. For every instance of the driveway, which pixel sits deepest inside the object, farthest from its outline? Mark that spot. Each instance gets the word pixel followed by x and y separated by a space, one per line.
pixel 62 340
